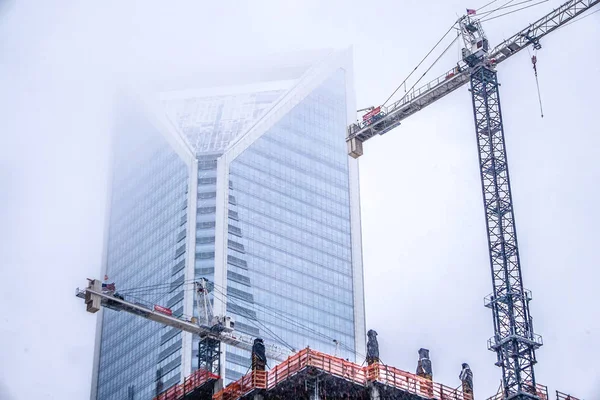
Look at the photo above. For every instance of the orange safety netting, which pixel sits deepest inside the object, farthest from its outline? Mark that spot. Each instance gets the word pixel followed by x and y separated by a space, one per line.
pixel 190 383
pixel 343 369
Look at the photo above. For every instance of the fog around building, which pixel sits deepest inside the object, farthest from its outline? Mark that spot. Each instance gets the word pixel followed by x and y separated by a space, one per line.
pixel 425 251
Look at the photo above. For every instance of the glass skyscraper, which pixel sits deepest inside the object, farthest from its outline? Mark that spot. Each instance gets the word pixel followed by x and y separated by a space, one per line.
pixel 249 186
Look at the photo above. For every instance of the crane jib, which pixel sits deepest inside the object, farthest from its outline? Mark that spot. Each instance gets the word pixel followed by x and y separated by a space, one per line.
pixel 540 28
pixel 95 299
pixel 390 117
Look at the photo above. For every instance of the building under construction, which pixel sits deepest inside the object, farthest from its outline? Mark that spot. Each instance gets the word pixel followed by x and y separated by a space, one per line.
pixel 310 374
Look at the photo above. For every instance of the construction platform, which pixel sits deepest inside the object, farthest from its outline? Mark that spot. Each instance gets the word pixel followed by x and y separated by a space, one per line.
pixel 310 374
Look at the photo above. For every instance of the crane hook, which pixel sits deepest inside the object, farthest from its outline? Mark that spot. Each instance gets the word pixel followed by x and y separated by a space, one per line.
pixel 534 62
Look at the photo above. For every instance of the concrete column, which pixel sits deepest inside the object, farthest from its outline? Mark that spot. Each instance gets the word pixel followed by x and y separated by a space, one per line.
pixel 374 392
pixel 218 386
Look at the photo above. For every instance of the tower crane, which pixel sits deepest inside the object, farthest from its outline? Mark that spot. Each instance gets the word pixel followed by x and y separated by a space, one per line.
pixel 213 330
pixel 514 340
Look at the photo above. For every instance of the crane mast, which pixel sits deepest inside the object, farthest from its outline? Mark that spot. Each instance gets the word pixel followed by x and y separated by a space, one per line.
pixel 514 340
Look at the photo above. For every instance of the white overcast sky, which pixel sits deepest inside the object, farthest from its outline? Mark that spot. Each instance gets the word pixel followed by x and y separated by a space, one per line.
pixel 425 249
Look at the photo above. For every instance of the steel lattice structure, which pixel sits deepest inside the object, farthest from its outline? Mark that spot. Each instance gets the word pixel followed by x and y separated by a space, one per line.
pixel 514 341
pixel 209 354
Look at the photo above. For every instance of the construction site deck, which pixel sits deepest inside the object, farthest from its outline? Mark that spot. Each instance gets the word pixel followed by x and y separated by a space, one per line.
pixel 310 374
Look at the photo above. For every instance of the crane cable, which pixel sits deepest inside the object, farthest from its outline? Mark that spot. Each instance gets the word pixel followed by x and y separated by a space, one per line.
pixel 534 63
pixel 150 290
pixel 486 14
pixel 514 11
pixel 419 64
pixel 503 7
pixel 436 45
pixel 484 6
pixel 280 315
pixel 432 65
pixel 306 328
pixel 267 329
pixel 152 287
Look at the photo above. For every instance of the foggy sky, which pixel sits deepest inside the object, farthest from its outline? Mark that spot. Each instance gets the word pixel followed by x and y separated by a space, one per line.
pixel 425 248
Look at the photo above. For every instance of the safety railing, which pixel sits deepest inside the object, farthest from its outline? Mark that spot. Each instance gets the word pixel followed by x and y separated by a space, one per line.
pixel 414 384
pixel 540 390
pixel 190 383
pixel 409 96
pixel 247 383
pixel 283 371
pixel 310 358
pixel 337 367
pixel 564 396
pixel 529 337
pixel 416 92
pixel 343 369
pixel 289 367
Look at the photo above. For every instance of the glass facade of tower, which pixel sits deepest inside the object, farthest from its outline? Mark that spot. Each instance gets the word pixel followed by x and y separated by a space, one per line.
pixel 289 272
pixel 288 250
pixel 147 225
